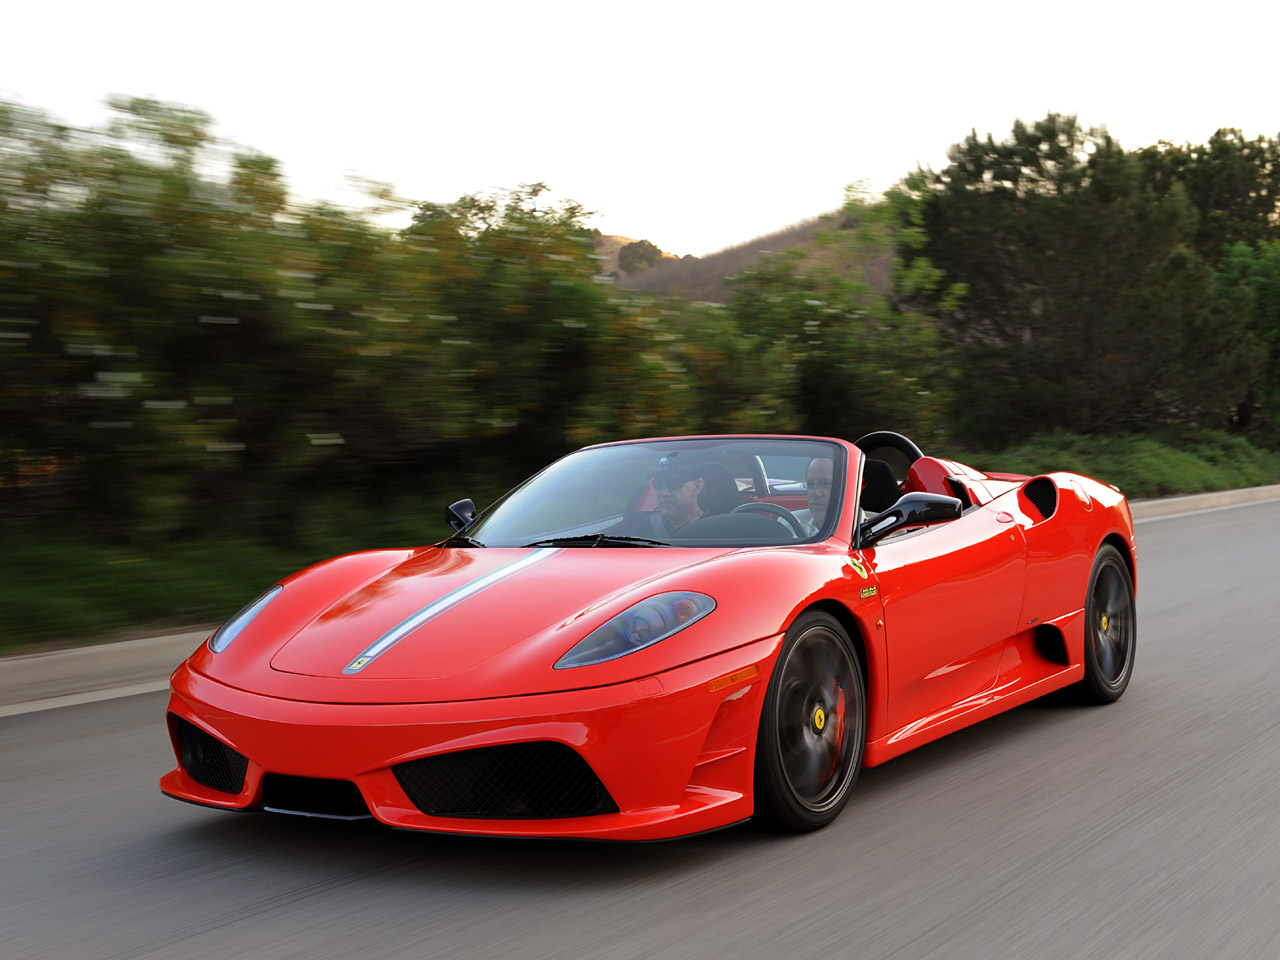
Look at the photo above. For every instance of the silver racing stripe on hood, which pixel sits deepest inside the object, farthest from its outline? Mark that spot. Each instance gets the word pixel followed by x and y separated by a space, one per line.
pixel 447 602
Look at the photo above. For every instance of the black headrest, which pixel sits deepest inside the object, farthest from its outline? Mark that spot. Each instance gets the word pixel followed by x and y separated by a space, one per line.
pixel 879 489
pixel 720 493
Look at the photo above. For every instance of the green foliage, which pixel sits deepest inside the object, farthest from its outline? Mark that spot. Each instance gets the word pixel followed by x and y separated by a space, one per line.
pixel 185 353
pixel 1250 277
pixel 1142 465
pixel 851 359
pixel 66 585
pixel 637 256
pixel 1083 308
pixel 1233 185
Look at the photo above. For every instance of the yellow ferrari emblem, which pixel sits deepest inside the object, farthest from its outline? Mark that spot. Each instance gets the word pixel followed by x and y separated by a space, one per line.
pixel 819 718
pixel 858 568
pixel 358 662
pixel 1104 621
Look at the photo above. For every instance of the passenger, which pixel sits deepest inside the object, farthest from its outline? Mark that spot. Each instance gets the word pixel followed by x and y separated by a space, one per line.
pixel 817 480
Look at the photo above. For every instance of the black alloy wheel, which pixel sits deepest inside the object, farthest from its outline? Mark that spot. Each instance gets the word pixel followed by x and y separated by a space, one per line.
pixel 1110 629
pixel 813 727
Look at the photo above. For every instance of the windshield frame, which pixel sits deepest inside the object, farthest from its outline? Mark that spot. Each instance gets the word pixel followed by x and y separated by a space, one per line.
pixel 598 533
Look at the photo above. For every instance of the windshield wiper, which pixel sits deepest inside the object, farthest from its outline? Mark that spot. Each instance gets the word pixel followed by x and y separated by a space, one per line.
pixel 598 540
pixel 458 540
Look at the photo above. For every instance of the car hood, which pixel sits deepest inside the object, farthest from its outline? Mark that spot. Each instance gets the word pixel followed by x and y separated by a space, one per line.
pixel 456 623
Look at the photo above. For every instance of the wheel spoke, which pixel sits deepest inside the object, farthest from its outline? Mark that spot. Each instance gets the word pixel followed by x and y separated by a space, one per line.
pixel 820 663
pixel 1104 654
pixel 1115 593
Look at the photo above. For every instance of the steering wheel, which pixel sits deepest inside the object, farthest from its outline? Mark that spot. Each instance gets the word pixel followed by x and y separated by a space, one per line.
pixel 893 448
pixel 775 511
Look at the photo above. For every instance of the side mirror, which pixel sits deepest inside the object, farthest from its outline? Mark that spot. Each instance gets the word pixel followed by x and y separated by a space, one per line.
pixel 911 509
pixel 459 513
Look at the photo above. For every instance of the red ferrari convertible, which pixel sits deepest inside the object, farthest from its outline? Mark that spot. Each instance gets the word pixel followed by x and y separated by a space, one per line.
pixel 660 637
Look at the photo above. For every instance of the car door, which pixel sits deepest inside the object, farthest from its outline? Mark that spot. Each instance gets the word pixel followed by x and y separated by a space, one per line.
pixel 952 595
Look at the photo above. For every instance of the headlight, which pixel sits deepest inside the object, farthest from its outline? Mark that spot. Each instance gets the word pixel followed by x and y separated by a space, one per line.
pixel 231 629
pixel 638 627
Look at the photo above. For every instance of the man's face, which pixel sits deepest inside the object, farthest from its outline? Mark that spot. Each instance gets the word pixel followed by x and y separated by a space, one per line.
pixel 678 501
pixel 818 480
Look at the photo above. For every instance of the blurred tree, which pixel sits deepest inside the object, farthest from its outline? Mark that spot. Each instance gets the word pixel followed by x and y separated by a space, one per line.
pixel 1084 308
pixel 637 256
pixel 1253 273
pixel 844 359
pixel 512 289
pixel 1233 185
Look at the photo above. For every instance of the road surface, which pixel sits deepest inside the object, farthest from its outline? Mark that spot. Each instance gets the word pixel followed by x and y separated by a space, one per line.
pixel 1145 829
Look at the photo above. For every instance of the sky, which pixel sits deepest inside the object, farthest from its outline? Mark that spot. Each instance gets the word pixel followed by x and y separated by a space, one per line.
pixel 696 125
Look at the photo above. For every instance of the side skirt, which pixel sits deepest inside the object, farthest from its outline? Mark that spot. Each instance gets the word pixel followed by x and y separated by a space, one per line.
pixel 1023 676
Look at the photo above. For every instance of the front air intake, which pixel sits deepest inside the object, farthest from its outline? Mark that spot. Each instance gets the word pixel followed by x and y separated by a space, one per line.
pixel 313 797
pixel 517 781
pixel 1043 495
pixel 207 760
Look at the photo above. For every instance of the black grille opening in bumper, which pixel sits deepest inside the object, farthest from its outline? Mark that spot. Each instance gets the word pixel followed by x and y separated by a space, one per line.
pixel 313 797
pixel 517 781
pixel 207 760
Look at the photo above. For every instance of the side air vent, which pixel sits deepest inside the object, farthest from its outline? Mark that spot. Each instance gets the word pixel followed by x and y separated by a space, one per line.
pixel 207 760
pixel 1043 496
pixel 1051 645
pixel 517 781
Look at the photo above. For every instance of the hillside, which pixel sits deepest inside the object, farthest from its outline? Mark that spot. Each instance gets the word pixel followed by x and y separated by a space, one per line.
pixel 609 246
pixel 706 278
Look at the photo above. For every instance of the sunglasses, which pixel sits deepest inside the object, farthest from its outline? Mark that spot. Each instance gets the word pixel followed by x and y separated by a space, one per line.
pixel 668 481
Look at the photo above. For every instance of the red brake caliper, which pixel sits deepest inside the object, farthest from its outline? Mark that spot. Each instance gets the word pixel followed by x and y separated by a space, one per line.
pixel 838 733
pixel 839 721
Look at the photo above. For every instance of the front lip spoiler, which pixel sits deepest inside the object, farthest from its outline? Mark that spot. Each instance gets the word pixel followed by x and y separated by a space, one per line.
pixel 320 816
pixel 209 806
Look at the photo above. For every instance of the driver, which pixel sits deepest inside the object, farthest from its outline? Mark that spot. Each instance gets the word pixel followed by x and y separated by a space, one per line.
pixel 678 482
pixel 817 480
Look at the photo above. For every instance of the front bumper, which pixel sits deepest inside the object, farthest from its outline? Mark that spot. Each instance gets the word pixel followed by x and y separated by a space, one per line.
pixel 674 751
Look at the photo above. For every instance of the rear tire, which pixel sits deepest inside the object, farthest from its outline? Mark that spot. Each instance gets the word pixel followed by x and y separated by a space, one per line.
pixel 1110 628
pixel 813 727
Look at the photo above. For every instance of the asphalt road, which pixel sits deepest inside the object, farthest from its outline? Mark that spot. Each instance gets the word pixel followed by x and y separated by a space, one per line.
pixel 1145 829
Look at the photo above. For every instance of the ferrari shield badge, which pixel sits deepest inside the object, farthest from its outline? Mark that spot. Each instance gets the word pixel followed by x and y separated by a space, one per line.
pixel 858 568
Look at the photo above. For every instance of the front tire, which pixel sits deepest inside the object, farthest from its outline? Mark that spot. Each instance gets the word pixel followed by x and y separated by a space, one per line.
pixel 813 727
pixel 1110 628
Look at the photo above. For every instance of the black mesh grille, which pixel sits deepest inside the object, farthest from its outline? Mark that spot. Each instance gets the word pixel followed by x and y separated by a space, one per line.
pixel 314 795
pixel 209 761
pixel 515 781
pixel 1043 495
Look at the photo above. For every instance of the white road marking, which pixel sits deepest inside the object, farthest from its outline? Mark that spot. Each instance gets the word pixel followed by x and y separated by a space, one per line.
pixel 75 699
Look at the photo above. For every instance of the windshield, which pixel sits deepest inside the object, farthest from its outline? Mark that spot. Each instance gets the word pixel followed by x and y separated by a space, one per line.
pixel 738 491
